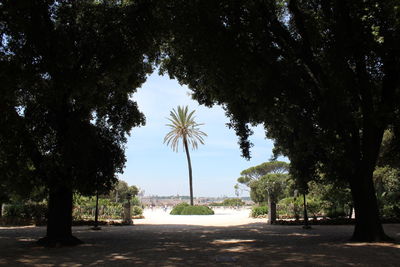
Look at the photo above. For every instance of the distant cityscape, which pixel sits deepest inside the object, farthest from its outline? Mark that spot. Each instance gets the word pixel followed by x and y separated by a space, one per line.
pixel 173 200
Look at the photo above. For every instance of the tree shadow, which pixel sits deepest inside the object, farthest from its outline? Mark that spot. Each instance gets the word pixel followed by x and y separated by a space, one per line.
pixel 175 245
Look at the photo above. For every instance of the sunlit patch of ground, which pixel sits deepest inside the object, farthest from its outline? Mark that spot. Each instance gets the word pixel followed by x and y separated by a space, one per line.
pixel 222 217
pixel 376 244
pixel 232 241
pixel 17 227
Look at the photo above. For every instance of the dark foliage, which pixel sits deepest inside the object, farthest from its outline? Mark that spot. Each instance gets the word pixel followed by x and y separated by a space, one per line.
pixel 68 69
pixel 322 76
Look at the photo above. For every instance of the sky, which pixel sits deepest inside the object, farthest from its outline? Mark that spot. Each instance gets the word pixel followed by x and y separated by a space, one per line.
pixel 158 170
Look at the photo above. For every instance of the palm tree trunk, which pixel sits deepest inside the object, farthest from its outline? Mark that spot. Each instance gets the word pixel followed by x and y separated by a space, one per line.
pixel 190 170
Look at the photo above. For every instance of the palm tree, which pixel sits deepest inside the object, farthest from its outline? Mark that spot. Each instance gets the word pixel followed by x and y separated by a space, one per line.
pixel 183 127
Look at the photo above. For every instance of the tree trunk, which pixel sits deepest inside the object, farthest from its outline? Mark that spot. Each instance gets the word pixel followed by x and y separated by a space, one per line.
pixel 368 226
pixel 59 221
pixel 306 224
pixel 271 210
pixel 96 214
pixel 190 170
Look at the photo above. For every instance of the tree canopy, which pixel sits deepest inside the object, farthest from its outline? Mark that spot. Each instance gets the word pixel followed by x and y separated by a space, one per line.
pixel 252 173
pixel 68 69
pixel 184 128
pixel 268 187
pixel 267 182
pixel 321 76
pixel 122 192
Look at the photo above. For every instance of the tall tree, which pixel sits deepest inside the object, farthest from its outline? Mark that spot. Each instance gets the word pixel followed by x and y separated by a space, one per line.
pixel 184 127
pixel 322 76
pixel 267 182
pixel 68 69
pixel 122 191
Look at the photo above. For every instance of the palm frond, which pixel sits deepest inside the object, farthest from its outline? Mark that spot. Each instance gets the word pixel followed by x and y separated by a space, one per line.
pixel 183 126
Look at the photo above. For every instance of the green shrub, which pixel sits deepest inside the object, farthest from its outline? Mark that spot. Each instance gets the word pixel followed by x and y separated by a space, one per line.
pixel 177 210
pixel 186 209
pixel 197 210
pixel 216 204
pixel 14 210
pixel 135 201
pixel 336 213
pixel 30 211
pixel 85 208
pixel 233 202
pixel 290 207
pixel 314 206
pixel 259 211
pixel 391 211
pixel 136 210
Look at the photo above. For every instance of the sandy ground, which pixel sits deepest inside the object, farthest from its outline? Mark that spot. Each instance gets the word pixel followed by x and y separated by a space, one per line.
pixel 222 217
pixel 228 238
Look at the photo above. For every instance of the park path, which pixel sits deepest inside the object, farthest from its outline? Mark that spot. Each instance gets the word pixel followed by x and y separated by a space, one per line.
pixel 194 244
pixel 222 217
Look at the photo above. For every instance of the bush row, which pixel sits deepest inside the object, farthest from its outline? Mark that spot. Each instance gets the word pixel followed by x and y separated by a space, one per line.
pixel 28 213
pixel 115 211
pixel 229 202
pixel 25 213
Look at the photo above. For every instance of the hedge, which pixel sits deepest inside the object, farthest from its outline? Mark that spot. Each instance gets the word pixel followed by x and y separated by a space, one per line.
pixel 186 209
pixel 27 212
pixel 177 210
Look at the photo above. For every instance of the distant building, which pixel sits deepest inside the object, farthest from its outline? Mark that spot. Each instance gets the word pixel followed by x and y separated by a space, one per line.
pixel 161 201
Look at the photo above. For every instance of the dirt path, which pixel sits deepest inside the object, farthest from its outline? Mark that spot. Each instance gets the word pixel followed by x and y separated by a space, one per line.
pixel 254 244
pixel 222 217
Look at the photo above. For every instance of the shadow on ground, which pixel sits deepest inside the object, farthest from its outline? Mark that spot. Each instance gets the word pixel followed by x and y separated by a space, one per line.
pixel 172 245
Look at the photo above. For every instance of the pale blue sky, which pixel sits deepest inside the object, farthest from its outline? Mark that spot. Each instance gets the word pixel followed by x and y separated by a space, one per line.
pixel 158 170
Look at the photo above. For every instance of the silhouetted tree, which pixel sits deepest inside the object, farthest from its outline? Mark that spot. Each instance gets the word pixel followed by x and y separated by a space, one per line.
pixel 322 76
pixel 68 69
